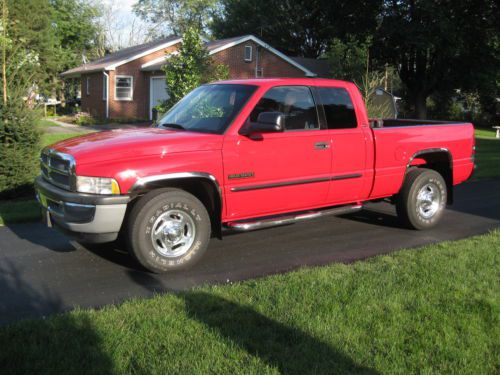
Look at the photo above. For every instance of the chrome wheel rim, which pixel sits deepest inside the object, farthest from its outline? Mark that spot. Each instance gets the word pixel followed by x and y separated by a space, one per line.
pixel 173 233
pixel 428 200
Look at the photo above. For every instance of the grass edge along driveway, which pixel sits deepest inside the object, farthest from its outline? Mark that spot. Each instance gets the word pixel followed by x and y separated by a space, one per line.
pixel 432 310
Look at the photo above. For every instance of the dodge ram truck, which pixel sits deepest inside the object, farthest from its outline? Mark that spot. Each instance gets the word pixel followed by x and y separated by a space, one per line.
pixel 244 155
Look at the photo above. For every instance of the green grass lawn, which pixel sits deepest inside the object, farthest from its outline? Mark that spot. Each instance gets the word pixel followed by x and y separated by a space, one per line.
pixel 18 211
pixel 48 139
pixel 487 154
pixel 433 310
pixel 44 124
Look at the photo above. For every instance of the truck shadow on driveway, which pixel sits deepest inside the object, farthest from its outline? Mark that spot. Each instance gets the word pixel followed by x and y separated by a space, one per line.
pixel 289 349
pixel 38 234
pixel 375 217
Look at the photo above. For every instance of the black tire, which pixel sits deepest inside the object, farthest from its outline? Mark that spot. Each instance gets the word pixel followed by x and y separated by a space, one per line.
pixel 166 206
pixel 412 209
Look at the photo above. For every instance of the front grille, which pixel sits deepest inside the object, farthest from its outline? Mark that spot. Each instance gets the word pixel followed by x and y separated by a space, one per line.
pixel 58 168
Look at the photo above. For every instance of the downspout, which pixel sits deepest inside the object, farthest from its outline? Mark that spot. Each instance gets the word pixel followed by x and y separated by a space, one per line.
pixel 257 61
pixel 107 93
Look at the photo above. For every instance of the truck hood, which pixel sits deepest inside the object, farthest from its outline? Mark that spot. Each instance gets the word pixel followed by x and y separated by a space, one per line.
pixel 135 144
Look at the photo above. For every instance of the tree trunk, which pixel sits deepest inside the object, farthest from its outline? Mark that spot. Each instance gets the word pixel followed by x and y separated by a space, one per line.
pixel 420 103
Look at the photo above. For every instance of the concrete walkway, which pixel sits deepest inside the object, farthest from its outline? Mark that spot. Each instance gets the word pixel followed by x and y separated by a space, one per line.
pixel 64 127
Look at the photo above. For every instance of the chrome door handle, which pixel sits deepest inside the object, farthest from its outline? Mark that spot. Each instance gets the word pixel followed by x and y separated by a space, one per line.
pixel 321 145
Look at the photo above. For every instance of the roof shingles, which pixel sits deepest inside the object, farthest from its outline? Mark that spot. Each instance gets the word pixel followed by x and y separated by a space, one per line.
pixel 119 56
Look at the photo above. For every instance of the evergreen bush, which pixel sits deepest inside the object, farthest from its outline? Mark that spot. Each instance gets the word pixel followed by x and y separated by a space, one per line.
pixel 19 147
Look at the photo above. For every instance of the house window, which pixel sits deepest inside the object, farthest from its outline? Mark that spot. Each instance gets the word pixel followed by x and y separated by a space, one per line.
pixel 87 90
pixel 124 87
pixel 248 53
pixel 104 87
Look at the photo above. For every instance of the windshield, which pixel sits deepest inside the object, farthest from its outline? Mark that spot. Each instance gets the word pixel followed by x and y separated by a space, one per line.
pixel 208 108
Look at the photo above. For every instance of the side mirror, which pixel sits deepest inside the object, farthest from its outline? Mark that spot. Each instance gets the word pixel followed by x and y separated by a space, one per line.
pixel 267 122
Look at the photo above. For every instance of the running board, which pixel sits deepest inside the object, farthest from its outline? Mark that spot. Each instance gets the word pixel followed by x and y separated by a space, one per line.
pixel 244 226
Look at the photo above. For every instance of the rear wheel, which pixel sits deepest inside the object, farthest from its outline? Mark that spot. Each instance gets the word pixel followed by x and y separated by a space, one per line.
pixel 421 202
pixel 168 230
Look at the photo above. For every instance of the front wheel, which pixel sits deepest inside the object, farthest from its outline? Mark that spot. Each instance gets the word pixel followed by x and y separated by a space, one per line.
pixel 421 202
pixel 168 230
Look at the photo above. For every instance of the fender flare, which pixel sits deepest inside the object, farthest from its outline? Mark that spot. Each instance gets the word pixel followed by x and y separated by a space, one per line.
pixel 183 176
pixel 448 178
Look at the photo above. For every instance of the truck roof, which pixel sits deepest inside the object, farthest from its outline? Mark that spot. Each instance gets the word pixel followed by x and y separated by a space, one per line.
pixel 287 81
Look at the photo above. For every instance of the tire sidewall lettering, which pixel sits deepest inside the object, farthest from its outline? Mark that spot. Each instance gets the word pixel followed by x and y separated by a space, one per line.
pixel 158 258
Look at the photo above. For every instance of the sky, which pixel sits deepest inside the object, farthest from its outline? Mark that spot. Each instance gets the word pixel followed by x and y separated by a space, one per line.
pixel 127 28
pixel 126 6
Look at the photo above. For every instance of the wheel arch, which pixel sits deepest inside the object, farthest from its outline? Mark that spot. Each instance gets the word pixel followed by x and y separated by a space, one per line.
pixel 203 186
pixel 437 159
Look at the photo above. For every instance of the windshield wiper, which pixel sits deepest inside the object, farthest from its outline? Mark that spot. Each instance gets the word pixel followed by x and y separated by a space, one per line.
pixel 173 125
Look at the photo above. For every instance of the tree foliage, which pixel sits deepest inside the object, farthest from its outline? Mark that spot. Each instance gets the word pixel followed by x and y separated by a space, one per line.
pixel 19 137
pixel 297 28
pixel 439 45
pixel 176 16
pixel 77 31
pixel 57 33
pixel 348 59
pixel 191 67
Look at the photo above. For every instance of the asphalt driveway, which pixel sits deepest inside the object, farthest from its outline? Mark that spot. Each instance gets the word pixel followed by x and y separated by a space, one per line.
pixel 42 272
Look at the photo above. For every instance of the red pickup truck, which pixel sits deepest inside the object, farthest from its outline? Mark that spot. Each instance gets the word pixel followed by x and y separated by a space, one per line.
pixel 248 154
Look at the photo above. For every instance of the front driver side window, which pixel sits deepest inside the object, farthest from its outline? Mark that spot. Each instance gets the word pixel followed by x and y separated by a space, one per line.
pixel 295 102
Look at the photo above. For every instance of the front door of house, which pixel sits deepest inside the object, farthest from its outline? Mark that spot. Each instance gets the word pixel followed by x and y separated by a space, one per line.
pixel 158 93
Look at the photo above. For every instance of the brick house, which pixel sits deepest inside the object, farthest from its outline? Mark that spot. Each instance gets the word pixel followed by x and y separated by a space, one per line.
pixel 130 82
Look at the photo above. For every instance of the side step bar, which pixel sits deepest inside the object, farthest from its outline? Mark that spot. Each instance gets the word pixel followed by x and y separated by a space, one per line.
pixel 244 226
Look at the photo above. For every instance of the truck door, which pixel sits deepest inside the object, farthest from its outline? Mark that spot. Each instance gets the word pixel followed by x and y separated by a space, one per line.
pixel 278 172
pixel 349 158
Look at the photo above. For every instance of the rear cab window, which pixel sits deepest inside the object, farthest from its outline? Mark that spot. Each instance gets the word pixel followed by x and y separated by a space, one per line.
pixel 338 107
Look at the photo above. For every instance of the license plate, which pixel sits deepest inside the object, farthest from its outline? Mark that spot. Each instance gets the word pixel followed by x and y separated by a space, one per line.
pixel 46 218
pixel 42 199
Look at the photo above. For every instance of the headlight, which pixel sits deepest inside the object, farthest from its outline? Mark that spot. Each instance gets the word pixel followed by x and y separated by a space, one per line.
pixel 97 185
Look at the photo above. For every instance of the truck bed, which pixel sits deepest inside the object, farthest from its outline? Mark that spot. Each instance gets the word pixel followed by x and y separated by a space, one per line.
pixel 396 122
pixel 397 143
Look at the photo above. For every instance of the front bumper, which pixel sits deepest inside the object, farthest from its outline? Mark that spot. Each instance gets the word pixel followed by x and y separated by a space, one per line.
pixel 87 217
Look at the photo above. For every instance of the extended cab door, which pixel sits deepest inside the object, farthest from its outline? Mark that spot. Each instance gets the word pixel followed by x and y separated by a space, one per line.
pixel 278 172
pixel 352 169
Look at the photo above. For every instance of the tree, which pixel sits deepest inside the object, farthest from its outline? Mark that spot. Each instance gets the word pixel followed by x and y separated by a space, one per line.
pixel 438 45
pixel 176 16
pixel 19 136
pixel 31 32
pixel 79 37
pixel 60 33
pixel 190 68
pixel 297 28
pixel 348 60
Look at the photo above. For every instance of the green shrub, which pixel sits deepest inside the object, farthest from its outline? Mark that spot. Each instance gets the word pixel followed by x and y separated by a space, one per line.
pixel 19 146
pixel 84 118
